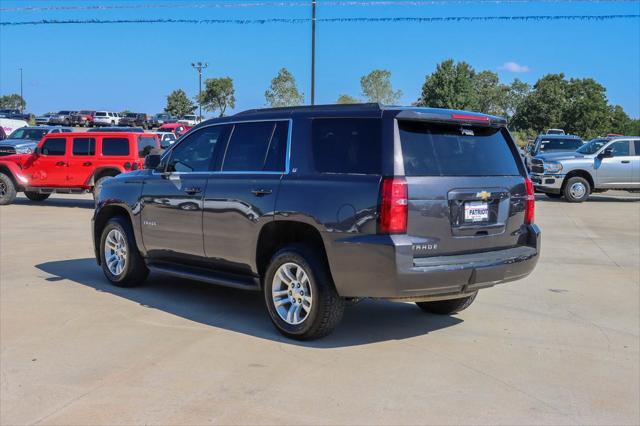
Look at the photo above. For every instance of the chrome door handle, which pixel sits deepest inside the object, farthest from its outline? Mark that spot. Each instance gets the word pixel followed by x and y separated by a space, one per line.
pixel 625 161
pixel 193 190
pixel 261 192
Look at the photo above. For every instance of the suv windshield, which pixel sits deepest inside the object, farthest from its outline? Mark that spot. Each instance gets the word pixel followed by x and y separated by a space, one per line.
pixel 592 147
pixel 30 134
pixel 445 150
pixel 558 144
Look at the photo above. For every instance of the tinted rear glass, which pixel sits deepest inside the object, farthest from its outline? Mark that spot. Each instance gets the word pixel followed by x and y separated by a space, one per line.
pixel 115 146
pixel 248 147
pixel 636 145
pixel 560 144
pixel 84 146
pixel 438 150
pixel 347 145
pixel 145 145
pixel 54 146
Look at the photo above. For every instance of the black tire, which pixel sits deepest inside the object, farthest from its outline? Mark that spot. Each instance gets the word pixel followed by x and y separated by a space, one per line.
pixel 135 271
pixel 447 307
pixel 327 306
pixel 36 196
pixel 552 195
pixel 97 185
pixel 7 190
pixel 570 193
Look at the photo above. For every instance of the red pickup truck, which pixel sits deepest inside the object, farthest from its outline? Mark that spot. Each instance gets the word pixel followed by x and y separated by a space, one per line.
pixel 72 163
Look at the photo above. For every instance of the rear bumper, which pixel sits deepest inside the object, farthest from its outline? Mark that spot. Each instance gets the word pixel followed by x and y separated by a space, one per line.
pixel 384 267
pixel 551 183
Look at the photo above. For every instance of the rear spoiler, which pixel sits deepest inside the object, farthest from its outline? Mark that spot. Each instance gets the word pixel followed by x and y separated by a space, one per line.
pixel 462 118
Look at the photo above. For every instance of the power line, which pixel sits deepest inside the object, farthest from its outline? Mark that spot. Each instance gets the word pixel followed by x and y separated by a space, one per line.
pixel 429 19
pixel 272 3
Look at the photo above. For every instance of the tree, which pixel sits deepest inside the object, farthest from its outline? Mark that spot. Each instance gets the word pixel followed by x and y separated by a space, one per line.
pixel 13 101
pixel 283 90
pixel 218 95
pixel 544 106
pixel 518 92
pixel 178 104
pixel 491 94
pixel 376 87
pixel 347 99
pixel 586 112
pixel 451 85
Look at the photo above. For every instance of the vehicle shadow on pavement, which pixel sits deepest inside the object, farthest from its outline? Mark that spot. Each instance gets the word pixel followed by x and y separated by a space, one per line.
pixel 56 202
pixel 244 312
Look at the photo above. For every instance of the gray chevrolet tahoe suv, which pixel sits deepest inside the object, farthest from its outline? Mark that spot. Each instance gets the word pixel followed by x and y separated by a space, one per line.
pixel 600 165
pixel 318 206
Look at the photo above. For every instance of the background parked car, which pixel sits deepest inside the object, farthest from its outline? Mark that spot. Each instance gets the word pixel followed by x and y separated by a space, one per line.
pixel 190 120
pixel 106 118
pixel 62 118
pixel 135 119
pixel 160 119
pixel 556 132
pixel 166 139
pixel 552 143
pixel 175 128
pixel 9 124
pixel 44 118
pixel 15 114
pixel 25 139
pixel 83 118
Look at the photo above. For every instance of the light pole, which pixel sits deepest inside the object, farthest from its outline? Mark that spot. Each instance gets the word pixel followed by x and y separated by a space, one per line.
pixel 21 109
pixel 313 52
pixel 199 66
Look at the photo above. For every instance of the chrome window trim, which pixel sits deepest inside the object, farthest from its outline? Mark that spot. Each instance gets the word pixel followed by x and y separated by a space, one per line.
pixel 287 165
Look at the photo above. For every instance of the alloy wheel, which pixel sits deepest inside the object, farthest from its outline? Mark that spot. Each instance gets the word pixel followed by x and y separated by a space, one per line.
pixel 291 293
pixel 115 251
pixel 577 190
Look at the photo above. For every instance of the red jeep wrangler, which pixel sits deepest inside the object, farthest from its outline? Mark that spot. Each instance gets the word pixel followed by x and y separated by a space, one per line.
pixel 72 163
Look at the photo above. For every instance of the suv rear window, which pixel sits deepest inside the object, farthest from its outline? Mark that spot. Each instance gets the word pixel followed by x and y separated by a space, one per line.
pixel 347 145
pixel 84 146
pixel 441 150
pixel 145 145
pixel 115 147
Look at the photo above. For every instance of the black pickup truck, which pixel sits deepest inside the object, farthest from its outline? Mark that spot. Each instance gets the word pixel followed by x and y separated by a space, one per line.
pixel 317 206
pixel 14 114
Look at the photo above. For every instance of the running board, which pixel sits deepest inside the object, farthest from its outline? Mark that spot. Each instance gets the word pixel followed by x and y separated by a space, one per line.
pixel 43 190
pixel 207 276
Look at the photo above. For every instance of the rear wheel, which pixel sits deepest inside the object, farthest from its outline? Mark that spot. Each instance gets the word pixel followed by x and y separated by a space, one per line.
pixel 36 196
pixel 576 190
pixel 7 190
pixel 119 256
pixel 447 307
pixel 301 299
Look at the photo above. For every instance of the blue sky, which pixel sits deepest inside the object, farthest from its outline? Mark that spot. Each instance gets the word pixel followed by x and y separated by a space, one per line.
pixel 134 66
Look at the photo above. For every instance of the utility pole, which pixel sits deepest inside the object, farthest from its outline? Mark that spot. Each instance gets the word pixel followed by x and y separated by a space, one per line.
pixel 199 66
pixel 21 108
pixel 313 52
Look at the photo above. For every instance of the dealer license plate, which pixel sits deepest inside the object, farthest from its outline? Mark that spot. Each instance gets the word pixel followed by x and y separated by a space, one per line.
pixel 476 211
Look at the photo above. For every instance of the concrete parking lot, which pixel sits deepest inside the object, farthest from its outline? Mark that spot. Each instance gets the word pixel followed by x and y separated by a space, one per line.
pixel 560 347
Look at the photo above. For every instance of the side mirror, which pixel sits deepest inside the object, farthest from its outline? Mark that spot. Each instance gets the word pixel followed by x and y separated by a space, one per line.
pixel 607 153
pixel 152 161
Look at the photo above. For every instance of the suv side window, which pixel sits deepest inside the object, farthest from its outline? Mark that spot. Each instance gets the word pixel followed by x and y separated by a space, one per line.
pixel 84 146
pixel 54 147
pixel 115 147
pixel 636 146
pixel 250 150
pixel 347 145
pixel 194 153
pixel 145 145
pixel 620 148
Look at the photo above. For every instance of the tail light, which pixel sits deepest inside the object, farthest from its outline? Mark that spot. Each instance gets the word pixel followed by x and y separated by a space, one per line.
pixel 393 206
pixel 530 207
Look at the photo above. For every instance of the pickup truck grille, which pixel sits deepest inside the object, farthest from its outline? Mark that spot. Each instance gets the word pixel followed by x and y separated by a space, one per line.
pixel 7 150
pixel 537 166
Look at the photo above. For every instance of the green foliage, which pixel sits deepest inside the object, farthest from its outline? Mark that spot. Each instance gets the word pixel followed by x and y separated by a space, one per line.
pixel 178 104
pixel 283 90
pixel 544 106
pixel 586 111
pixel 13 101
pixel 451 85
pixel 218 95
pixel 491 94
pixel 376 87
pixel 346 99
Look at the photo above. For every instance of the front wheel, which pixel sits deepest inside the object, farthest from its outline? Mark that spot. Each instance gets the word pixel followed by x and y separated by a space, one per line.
pixel 447 307
pixel 36 196
pixel 7 190
pixel 300 296
pixel 576 190
pixel 119 256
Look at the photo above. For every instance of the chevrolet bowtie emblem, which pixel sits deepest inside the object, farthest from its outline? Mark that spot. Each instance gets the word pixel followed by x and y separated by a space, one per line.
pixel 484 195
